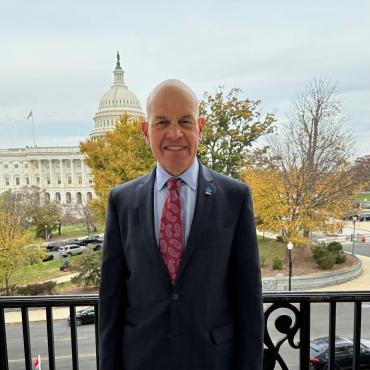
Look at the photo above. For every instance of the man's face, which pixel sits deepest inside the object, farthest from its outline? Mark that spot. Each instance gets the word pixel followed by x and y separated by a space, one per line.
pixel 173 129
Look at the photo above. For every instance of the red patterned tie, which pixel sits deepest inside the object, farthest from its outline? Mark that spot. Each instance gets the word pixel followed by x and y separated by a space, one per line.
pixel 170 232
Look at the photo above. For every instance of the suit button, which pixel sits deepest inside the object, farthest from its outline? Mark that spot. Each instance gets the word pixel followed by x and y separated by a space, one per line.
pixel 175 297
pixel 169 335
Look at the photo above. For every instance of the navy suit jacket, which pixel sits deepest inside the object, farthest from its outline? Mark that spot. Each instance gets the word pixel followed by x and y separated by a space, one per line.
pixel 212 317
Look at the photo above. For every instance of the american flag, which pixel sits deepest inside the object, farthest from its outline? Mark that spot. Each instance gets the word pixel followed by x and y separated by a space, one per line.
pixel 37 363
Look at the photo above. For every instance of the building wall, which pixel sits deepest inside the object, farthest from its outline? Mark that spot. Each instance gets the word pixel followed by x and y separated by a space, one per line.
pixel 60 171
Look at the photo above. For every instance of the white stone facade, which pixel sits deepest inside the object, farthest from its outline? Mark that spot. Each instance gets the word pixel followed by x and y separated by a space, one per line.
pixel 60 171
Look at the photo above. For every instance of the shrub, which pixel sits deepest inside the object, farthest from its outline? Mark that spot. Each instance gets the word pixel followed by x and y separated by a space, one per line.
pixel 340 258
pixel 335 247
pixel 327 255
pixel 319 251
pixel 277 263
pixel 327 261
pixel 48 287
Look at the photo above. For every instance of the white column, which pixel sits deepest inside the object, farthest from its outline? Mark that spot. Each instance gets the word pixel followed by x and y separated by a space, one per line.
pixel 72 173
pixel 40 173
pixel 83 173
pixel 50 173
pixel 61 174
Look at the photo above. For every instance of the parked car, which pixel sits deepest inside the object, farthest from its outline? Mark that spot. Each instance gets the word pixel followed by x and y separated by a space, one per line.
pixel 364 217
pixel 94 239
pixel 70 250
pixel 319 353
pixel 54 246
pixel 48 257
pixel 70 241
pixel 85 316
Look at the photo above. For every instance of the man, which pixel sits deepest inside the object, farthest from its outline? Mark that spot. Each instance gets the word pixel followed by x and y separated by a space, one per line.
pixel 180 281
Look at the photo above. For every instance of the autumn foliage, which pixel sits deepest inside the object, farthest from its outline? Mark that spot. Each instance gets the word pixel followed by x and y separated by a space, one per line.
pixel 117 157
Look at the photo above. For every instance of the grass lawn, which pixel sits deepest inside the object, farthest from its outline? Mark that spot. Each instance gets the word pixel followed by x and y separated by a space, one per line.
pixel 37 273
pixel 269 248
pixel 71 231
pixel 362 197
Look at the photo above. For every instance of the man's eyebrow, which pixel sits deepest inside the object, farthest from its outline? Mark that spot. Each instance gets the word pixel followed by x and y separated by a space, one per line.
pixel 160 118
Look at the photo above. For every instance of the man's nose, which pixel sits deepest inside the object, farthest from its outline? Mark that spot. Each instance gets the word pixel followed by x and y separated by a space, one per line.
pixel 174 132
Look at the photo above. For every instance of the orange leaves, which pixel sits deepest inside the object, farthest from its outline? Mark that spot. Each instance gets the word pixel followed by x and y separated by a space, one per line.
pixel 117 157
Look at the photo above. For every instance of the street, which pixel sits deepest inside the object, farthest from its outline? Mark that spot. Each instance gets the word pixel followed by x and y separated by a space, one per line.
pixel 86 338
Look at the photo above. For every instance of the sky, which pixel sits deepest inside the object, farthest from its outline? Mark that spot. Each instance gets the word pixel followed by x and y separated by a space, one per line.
pixel 57 58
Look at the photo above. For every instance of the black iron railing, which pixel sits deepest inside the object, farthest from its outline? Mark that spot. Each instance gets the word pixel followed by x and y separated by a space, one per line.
pixel 295 322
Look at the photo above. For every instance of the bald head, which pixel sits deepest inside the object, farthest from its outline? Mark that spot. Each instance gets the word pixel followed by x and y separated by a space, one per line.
pixel 168 87
pixel 173 127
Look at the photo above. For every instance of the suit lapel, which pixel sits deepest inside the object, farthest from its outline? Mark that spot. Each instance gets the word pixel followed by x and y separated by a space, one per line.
pixel 146 214
pixel 205 196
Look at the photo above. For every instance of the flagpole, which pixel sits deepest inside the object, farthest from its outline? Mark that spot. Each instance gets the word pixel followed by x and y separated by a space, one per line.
pixel 33 128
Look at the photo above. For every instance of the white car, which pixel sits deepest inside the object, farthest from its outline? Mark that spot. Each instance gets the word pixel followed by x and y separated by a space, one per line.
pixel 71 250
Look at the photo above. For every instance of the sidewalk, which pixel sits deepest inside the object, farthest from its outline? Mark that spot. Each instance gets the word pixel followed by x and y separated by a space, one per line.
pixel 360 283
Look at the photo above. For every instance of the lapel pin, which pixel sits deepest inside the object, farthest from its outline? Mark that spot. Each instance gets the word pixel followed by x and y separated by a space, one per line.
pixel 208 191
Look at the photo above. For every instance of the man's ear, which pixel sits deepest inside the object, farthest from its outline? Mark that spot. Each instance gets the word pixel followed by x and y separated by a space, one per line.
pixel 144 130
pixel 201 124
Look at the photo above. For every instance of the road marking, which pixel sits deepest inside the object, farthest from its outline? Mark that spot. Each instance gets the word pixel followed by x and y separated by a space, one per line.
pixel 66 339
pixel 61 357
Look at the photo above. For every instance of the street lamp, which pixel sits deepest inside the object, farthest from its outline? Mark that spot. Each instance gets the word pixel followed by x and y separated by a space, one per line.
pixel 290 247
pixel 46 232
pixel 354 219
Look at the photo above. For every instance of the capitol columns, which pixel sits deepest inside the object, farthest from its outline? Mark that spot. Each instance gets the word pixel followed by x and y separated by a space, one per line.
pixel 73 174
pixel 83 175
pixel 50 162
pixel 61 172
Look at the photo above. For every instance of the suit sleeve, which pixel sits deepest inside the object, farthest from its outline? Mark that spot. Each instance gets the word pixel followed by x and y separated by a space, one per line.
pixel 112 294
pixel 248 290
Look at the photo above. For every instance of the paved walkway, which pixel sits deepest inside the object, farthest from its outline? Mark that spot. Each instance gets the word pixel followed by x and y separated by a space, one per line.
pixel 360 283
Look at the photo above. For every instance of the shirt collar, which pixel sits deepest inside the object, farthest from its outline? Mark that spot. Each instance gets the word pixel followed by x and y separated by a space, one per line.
pixel 190 176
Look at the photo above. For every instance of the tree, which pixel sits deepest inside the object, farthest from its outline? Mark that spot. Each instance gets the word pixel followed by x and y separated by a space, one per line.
pixel 309 160
pixel 42 214
pixel 233 124
pixel 88 266
pixel 14 239
pixel 361 172
pixel 82 216
pixel 117 157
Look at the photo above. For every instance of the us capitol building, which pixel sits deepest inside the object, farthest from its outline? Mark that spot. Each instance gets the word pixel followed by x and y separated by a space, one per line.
pixel 61 171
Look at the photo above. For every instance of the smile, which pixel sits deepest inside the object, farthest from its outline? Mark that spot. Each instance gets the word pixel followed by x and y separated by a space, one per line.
pixel 174 147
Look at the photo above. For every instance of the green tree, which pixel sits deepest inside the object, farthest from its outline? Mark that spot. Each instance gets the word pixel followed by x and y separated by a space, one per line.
pixel 40 212
pixel 361 172
pixel 14 239
pixel 117 157
pixel 88 267
pixel 233 124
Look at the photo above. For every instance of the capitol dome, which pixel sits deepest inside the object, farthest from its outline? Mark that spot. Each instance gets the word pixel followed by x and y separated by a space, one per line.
pixel 119 100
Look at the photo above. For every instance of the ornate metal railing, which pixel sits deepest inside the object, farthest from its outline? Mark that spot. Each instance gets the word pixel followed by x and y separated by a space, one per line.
pixel 294 325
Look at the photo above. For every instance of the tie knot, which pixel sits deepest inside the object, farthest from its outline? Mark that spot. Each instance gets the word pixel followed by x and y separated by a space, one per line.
pixel 173 183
